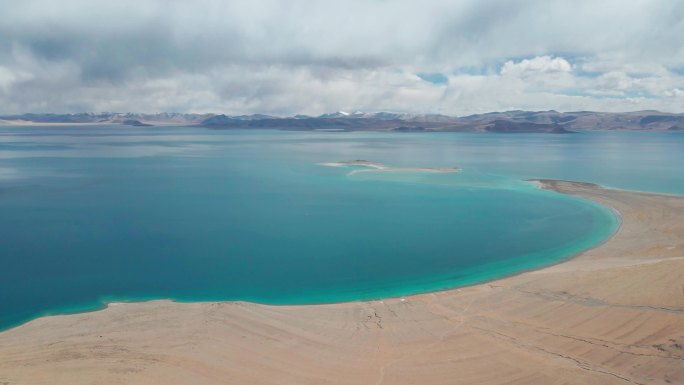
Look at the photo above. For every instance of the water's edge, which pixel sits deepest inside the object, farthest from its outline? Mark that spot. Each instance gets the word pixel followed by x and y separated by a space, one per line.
pixel 439 286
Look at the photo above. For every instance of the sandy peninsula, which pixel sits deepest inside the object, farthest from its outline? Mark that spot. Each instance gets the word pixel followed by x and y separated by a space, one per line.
pixel 613 315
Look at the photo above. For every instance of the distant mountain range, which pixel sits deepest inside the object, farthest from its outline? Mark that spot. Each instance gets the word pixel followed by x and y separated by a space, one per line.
pixel 503 122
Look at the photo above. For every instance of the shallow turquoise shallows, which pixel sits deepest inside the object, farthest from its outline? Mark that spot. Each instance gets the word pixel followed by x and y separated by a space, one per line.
pixel 96 214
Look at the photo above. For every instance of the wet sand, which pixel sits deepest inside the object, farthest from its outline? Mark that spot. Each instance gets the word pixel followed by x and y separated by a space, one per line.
pixel 613 315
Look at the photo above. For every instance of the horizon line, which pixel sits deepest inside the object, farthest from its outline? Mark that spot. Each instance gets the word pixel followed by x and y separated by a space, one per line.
pixel 341 112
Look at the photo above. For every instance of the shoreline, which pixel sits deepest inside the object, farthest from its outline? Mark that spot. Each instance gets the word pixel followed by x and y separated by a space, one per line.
pixel 105 303
pixel 648 242
pixel 28 123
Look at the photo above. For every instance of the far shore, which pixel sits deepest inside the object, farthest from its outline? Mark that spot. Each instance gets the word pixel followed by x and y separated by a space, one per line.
pixel 41 124
pixel 612 315
pixel 28 123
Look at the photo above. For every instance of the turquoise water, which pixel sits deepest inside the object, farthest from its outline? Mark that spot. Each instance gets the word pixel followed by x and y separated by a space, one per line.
pixel 95 214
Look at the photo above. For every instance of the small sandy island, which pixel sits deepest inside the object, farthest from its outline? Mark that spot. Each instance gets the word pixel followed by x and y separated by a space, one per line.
pixel 613 315
pixel 379 167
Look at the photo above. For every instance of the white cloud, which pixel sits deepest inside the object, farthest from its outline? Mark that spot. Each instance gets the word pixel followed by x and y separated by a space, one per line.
pixel 9 77
pixel 539 64
pixel 674 93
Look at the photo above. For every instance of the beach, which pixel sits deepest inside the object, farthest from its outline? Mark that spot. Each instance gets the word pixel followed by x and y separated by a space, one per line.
pixel 612 315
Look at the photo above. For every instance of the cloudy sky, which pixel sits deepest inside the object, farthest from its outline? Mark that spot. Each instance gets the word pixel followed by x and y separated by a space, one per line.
pixel 286 57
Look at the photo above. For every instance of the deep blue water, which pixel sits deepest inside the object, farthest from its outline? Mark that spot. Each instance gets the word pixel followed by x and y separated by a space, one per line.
pixel 92 214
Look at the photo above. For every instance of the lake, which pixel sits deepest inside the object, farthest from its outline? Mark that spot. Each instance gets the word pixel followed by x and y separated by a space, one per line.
pixel 92 214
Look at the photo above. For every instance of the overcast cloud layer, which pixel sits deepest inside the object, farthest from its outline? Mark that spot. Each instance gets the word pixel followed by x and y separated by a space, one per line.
pixel 288 57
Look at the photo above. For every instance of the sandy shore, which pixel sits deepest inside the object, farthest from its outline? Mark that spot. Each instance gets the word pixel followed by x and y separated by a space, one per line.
pixel 614 315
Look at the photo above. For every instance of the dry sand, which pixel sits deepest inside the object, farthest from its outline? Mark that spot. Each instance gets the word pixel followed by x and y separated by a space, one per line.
pixel 614 315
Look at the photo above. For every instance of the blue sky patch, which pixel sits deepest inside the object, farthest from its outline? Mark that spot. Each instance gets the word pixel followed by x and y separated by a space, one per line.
pixel 434 78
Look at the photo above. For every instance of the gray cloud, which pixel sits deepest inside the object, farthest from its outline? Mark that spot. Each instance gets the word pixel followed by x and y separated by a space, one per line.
pixel 313 56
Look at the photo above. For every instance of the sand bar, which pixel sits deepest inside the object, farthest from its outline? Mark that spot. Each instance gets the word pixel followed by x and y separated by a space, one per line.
pixel 613 315
pixel 379 167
